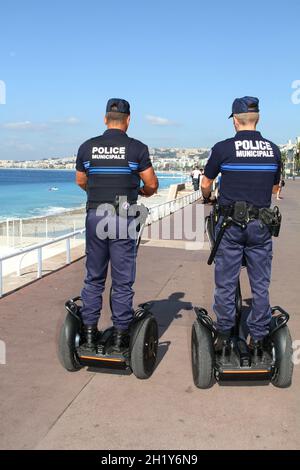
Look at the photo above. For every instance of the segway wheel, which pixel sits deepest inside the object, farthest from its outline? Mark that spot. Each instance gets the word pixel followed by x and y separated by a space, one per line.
pixel 144 345
pixel 202 356
pixel 68 338
pixel 284 358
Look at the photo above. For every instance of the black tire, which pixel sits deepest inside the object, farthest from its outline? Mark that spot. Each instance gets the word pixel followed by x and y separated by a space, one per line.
pixel 203 356
pixel 284 358
pixel 143 347
pixel 67 344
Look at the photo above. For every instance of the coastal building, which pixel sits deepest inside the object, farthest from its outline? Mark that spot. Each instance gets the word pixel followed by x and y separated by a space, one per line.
pixel 166 159
pixel 290 153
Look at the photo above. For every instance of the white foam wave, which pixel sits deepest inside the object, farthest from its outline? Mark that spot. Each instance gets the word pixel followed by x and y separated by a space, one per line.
pixel 51 210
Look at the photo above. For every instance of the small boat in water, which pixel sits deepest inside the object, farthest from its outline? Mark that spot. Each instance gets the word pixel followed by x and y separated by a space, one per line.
pixel 54 188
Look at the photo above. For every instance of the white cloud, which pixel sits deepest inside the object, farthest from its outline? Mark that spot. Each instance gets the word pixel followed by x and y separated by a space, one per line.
pixel 24 147
pixel 24 125
pixel 16 145
pixel 37 126
pixel 159 121
pixel 70 120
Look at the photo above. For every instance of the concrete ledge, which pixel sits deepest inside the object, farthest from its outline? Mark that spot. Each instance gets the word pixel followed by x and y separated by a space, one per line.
pixel 174 190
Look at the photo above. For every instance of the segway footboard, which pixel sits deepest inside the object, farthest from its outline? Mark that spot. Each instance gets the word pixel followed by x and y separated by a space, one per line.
pixel 103 357
pixel 140 356
pixel 234 372
pixel 238 363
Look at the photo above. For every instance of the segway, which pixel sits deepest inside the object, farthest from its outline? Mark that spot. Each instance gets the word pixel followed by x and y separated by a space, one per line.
pixel 140 356
pixel 237 362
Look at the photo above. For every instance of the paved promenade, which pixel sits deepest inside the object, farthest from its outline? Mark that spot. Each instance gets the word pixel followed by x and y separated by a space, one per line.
pixel 44 407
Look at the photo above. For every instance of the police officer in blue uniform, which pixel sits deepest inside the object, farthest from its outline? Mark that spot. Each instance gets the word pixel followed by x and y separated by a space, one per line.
pixel 250 168
pixel 110 168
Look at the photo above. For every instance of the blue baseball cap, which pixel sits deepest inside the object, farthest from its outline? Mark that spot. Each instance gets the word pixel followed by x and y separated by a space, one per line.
pixel 247 104
pixel 118 105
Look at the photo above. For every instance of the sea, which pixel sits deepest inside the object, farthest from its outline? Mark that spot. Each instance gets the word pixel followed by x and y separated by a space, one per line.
pixel 37 193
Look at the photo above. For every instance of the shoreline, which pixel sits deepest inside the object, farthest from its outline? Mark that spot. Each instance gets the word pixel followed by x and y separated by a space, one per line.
pixel 37 169
pixel 78 210
pixel 168 172
pixel 38 217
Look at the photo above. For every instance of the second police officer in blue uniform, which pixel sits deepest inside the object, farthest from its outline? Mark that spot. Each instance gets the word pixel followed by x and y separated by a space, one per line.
pixel 110 168
pixel 250 166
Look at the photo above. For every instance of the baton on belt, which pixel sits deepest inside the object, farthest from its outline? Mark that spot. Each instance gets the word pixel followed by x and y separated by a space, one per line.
pixel 225 224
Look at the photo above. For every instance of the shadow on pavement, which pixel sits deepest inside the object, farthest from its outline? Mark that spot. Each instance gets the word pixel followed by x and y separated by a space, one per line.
pixel 167 310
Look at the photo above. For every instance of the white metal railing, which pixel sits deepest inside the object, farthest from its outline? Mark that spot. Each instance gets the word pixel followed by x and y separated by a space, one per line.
pixel 167 208
pixel 17 232
pixel 39 248
pixel 155 213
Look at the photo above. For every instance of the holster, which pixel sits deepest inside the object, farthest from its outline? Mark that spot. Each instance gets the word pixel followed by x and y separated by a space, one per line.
pixel 272 219
pixel 240 211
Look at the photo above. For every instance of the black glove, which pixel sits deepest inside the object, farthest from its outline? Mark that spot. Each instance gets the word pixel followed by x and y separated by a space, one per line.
pixel 206 200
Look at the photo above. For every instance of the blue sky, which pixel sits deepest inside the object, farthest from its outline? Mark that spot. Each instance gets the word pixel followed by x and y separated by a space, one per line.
pixel 179 63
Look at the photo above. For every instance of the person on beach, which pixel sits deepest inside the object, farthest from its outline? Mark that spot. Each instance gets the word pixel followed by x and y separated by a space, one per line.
pixel 201 178
pixel 110 168
pixel 195 175
pixel 250 166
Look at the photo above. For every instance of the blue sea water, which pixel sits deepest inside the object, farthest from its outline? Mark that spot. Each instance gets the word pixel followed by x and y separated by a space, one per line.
pixel 26 193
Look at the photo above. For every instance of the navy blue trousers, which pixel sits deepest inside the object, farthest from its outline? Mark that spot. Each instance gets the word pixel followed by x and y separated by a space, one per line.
pixel 256 244
pixel 118 249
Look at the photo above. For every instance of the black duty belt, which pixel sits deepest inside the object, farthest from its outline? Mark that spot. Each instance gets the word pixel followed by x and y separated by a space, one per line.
pixel 240 214
pixel 228 211
pixel 115 204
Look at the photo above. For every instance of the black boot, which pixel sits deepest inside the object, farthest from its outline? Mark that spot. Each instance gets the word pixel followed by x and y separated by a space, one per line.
pixel 90 336
pixel 121 341
pixel 257 348
pixel 223 343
